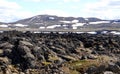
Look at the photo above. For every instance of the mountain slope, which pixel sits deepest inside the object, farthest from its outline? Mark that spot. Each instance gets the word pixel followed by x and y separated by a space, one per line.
pixel 56 22
pixel 50 21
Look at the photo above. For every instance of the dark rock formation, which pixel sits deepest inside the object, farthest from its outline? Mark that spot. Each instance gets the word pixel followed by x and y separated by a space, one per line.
pixel 51 53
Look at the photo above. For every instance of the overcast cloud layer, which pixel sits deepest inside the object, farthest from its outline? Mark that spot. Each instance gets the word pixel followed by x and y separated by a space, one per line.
pixel 12 10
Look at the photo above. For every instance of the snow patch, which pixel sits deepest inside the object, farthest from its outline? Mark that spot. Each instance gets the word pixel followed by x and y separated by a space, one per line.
pixel 99 22
pixel 36 32
pixel 114 32
pixel 66 21
pixel 92 32
pixel 75 21
pixel 76 25
pixel 3 25
pixel 65 25
pixel 116 22
pixel 104 32
pixel 53 26
pixel 61 32
pixel 86 19
pixel 20 25
pixel 42 27
pixel 52 18
pixel 79 32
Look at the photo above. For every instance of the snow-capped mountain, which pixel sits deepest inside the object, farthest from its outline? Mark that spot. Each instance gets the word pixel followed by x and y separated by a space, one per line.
pixel 56 22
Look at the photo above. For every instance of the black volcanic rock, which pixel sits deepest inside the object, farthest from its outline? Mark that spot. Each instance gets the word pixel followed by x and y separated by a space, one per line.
pixel 58 53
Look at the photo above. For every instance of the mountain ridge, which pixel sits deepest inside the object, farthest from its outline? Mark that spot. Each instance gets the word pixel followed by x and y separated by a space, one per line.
pixel 58 22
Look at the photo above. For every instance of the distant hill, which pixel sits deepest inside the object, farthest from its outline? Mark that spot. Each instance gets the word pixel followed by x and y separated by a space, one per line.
pixel 56 22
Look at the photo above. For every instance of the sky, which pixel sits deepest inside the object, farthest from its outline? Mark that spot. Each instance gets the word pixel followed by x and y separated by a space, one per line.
pixel 13 10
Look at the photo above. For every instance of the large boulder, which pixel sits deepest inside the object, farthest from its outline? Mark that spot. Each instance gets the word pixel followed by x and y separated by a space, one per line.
pixel 4 62
pixel 30 60
pixel 23 49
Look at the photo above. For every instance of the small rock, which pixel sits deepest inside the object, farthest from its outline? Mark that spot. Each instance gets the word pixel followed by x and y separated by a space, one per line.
pixel 1 52
pixel 6 45
pixel 91 70
pixel 7 52
pixel 25 43
pixel 108 72
pixel 83 57
pixel 94 52
pixel 92 56
pixel 29 55
pixel 67 58
pixel 4 60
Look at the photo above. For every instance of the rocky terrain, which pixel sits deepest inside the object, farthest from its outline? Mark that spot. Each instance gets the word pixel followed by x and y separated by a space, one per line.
pixel 54 53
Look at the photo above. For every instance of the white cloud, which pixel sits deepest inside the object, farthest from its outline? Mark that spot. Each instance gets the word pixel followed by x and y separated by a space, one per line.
pixel 10 16
pixel 54 0
pixel 40 0
pixel 4 4
pixel 11 11
pixel 34 0
pixel 104 9
pixel 71 0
